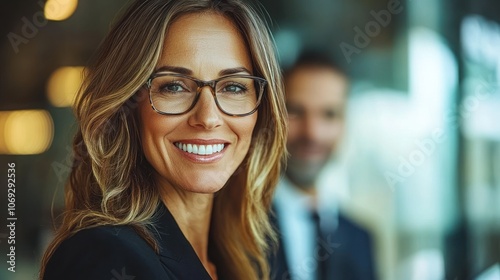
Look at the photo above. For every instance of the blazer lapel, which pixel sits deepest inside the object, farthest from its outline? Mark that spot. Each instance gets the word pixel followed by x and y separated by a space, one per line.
pixel 176 253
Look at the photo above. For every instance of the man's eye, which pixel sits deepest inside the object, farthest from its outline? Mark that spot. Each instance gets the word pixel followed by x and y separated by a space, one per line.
pixel 294 112
pixel 331 114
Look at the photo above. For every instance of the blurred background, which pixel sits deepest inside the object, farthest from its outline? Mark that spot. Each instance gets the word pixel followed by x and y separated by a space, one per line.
pixel 420 166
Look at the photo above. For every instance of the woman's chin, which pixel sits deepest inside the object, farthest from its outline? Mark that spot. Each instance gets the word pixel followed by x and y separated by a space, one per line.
pixel 205 190
pixel 202 188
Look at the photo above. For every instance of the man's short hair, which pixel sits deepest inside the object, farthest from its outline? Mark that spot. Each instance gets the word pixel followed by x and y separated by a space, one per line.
pixel 315 58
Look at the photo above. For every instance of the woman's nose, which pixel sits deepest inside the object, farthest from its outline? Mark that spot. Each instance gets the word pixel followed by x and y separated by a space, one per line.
pixel 206 114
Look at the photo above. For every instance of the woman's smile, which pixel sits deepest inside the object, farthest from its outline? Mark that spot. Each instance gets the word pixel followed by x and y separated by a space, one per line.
pixel 201 150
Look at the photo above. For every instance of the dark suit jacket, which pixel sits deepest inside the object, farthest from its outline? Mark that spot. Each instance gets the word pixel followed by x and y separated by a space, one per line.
pixel 347 251
pixel 119 253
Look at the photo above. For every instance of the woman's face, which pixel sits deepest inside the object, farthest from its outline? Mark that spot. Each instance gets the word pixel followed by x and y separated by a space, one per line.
pixel 204 46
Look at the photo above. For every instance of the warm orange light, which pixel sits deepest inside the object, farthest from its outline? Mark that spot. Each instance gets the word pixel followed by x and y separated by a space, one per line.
pixel 59 9
pixel 63 85
pixel 25 132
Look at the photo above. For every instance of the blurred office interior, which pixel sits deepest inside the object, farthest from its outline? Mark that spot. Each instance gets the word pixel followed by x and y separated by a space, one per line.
pixel 420 165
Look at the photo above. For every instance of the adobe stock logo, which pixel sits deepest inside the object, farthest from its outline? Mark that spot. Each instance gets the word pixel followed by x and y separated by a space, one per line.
pixel 363 38
pixel 29 29
pixel 31 25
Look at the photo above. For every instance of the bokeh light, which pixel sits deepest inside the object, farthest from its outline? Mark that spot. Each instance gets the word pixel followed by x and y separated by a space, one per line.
pixel 25 132
pixel 58 10
pixel 63 85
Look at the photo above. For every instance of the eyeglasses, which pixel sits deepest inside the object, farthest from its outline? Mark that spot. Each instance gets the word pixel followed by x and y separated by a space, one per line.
pixel 176 94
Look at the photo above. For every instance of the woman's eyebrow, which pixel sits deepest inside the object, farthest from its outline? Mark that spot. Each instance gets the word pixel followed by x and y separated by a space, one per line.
pixel 235 70
pixel 186 71
pixel 175 69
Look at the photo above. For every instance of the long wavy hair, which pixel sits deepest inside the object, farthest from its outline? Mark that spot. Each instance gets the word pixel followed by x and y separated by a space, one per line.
pixel 111 181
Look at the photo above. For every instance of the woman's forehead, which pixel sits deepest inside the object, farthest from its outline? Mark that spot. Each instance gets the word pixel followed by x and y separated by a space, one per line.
pixel 204 41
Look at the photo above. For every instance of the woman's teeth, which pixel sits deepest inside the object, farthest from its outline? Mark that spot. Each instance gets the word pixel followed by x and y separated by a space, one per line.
pixel 200 149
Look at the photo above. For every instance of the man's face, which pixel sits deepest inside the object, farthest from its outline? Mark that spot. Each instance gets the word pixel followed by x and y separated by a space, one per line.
pixel 315 98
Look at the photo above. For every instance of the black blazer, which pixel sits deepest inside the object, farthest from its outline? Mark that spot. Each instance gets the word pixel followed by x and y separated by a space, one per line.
pixel 349 258
pixel 119 253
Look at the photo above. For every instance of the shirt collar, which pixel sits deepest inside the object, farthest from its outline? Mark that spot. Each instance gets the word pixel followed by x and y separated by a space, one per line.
pixel 287 194
pixel 289 198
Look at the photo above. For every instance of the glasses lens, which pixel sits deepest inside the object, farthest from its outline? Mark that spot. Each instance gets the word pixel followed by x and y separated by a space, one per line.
pixel 172 94
pixel 238 95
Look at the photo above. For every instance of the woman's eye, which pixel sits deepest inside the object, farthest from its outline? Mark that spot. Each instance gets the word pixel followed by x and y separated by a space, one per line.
pixel 172 88
pixel 234 88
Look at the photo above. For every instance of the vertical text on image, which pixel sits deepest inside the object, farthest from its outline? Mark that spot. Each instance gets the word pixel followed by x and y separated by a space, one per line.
pixel 11 218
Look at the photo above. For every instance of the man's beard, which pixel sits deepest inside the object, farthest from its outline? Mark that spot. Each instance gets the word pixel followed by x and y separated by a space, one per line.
pixel 302 173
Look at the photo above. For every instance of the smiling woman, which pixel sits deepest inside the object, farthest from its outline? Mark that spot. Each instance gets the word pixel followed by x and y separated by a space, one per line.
pixel 181 136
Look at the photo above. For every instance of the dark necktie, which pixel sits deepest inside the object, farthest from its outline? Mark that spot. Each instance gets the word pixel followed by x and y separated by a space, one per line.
pixel 321 273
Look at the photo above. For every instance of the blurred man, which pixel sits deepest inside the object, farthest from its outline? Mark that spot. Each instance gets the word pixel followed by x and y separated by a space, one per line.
pixel 316 242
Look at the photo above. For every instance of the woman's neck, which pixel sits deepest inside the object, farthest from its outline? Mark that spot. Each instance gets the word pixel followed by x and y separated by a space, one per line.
pixel 192 212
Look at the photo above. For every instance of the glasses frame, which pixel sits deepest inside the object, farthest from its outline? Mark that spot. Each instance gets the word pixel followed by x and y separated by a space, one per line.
pixel 212 84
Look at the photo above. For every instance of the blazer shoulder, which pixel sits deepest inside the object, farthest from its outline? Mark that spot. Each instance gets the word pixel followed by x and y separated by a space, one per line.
pixel 104 252
pixel 117 238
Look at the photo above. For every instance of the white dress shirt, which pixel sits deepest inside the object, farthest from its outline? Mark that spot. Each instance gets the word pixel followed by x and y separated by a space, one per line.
pixel 294 209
